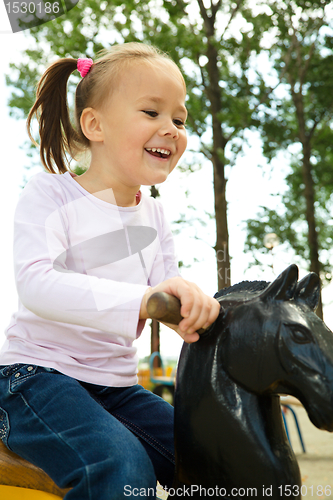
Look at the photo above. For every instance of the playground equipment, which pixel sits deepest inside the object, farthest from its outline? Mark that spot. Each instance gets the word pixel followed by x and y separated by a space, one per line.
pixel 162 382
pixel 229 432
pixel 21 480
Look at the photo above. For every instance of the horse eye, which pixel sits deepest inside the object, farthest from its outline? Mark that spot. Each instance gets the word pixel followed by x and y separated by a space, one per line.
pixel 300 335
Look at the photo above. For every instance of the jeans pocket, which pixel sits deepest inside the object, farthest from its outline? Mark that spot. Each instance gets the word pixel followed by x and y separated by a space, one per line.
pixel 4 426
pixel 20 374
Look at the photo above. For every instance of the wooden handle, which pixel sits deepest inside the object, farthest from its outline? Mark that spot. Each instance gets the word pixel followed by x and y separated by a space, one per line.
pixel 166 308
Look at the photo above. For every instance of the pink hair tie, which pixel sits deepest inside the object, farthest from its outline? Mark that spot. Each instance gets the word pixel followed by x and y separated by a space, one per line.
pixel 84 65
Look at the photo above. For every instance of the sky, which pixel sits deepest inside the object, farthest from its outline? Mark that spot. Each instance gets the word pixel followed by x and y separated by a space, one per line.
pixel 249 186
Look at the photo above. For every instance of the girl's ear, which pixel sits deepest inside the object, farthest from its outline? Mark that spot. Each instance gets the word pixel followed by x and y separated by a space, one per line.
pixel 90 125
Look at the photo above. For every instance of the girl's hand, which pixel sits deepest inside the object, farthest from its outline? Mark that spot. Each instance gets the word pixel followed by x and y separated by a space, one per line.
pixel 198 309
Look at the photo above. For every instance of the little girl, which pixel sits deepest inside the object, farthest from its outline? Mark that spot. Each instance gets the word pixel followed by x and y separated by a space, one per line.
pixel 89 251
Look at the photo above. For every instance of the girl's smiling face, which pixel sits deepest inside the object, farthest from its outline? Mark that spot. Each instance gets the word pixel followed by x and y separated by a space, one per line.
pixel 142 125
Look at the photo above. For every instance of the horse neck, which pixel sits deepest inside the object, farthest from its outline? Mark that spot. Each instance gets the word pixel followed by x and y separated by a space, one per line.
pixel 240 414
pixel 217 421
pixel 241 405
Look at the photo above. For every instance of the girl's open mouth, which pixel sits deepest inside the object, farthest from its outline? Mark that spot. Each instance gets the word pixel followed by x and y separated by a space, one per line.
pixel 158 152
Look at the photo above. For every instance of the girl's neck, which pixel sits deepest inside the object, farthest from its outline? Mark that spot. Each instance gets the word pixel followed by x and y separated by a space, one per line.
pixel 108 190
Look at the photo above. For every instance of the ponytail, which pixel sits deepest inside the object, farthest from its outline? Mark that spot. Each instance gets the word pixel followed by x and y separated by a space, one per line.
pixel 57 135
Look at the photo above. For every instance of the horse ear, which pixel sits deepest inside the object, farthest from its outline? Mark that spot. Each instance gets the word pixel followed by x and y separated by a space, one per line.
pixel 283 288
pixel 308 290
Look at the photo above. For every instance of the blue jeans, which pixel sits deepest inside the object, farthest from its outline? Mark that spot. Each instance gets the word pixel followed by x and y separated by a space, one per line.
pixel 105 443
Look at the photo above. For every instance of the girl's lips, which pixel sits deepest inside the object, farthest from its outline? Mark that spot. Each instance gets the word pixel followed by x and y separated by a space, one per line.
pixel 158 153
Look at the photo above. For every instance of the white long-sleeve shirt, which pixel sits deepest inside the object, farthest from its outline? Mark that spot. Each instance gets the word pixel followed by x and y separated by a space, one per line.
pixel 82 266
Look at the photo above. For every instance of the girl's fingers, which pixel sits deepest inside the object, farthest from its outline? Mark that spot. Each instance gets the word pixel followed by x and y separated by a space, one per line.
pixel 204 312
pixel 188 296
pixel 198 309
pixel 203 317
pixel 191 338
pixel 194 305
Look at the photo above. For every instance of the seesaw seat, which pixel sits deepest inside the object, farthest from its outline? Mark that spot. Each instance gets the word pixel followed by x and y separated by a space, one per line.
pixel 16 493
pixel 20 475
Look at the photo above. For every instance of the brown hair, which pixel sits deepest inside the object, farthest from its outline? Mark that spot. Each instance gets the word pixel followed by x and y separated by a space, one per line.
pixel 58 137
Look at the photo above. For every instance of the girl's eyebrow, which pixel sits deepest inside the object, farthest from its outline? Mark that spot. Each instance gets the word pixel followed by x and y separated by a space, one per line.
pixel 159 100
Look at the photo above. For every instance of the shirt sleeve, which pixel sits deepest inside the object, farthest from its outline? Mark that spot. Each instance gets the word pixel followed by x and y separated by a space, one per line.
pixel 47 287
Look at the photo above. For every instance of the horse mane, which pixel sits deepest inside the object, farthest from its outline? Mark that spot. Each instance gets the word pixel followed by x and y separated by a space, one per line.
pixel 243 286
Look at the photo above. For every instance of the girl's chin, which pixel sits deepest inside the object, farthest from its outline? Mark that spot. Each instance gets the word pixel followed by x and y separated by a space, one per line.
pixel 157 178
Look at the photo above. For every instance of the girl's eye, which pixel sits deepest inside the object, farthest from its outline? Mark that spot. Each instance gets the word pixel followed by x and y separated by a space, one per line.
pixel 179 123
pixel 153 114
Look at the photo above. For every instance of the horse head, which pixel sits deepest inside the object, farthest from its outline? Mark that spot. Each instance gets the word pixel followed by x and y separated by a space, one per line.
pixel 266 341
pixel 274 343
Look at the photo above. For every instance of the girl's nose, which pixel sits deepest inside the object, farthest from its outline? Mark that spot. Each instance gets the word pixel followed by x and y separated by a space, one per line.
pixel 169 129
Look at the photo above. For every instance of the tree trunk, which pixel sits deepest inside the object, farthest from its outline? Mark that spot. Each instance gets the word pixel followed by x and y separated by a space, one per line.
pixel 309 191
pixel 219 144
pixel 309 195
pixel 222 238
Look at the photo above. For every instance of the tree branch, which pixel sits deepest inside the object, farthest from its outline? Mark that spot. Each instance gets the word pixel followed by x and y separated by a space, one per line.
pixel 233 13
pixel 215 8
pixel 316 123
pixel 310 54
pixel 203 12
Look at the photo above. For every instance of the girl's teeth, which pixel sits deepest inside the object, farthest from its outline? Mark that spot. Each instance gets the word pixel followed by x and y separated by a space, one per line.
pixel 158 150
